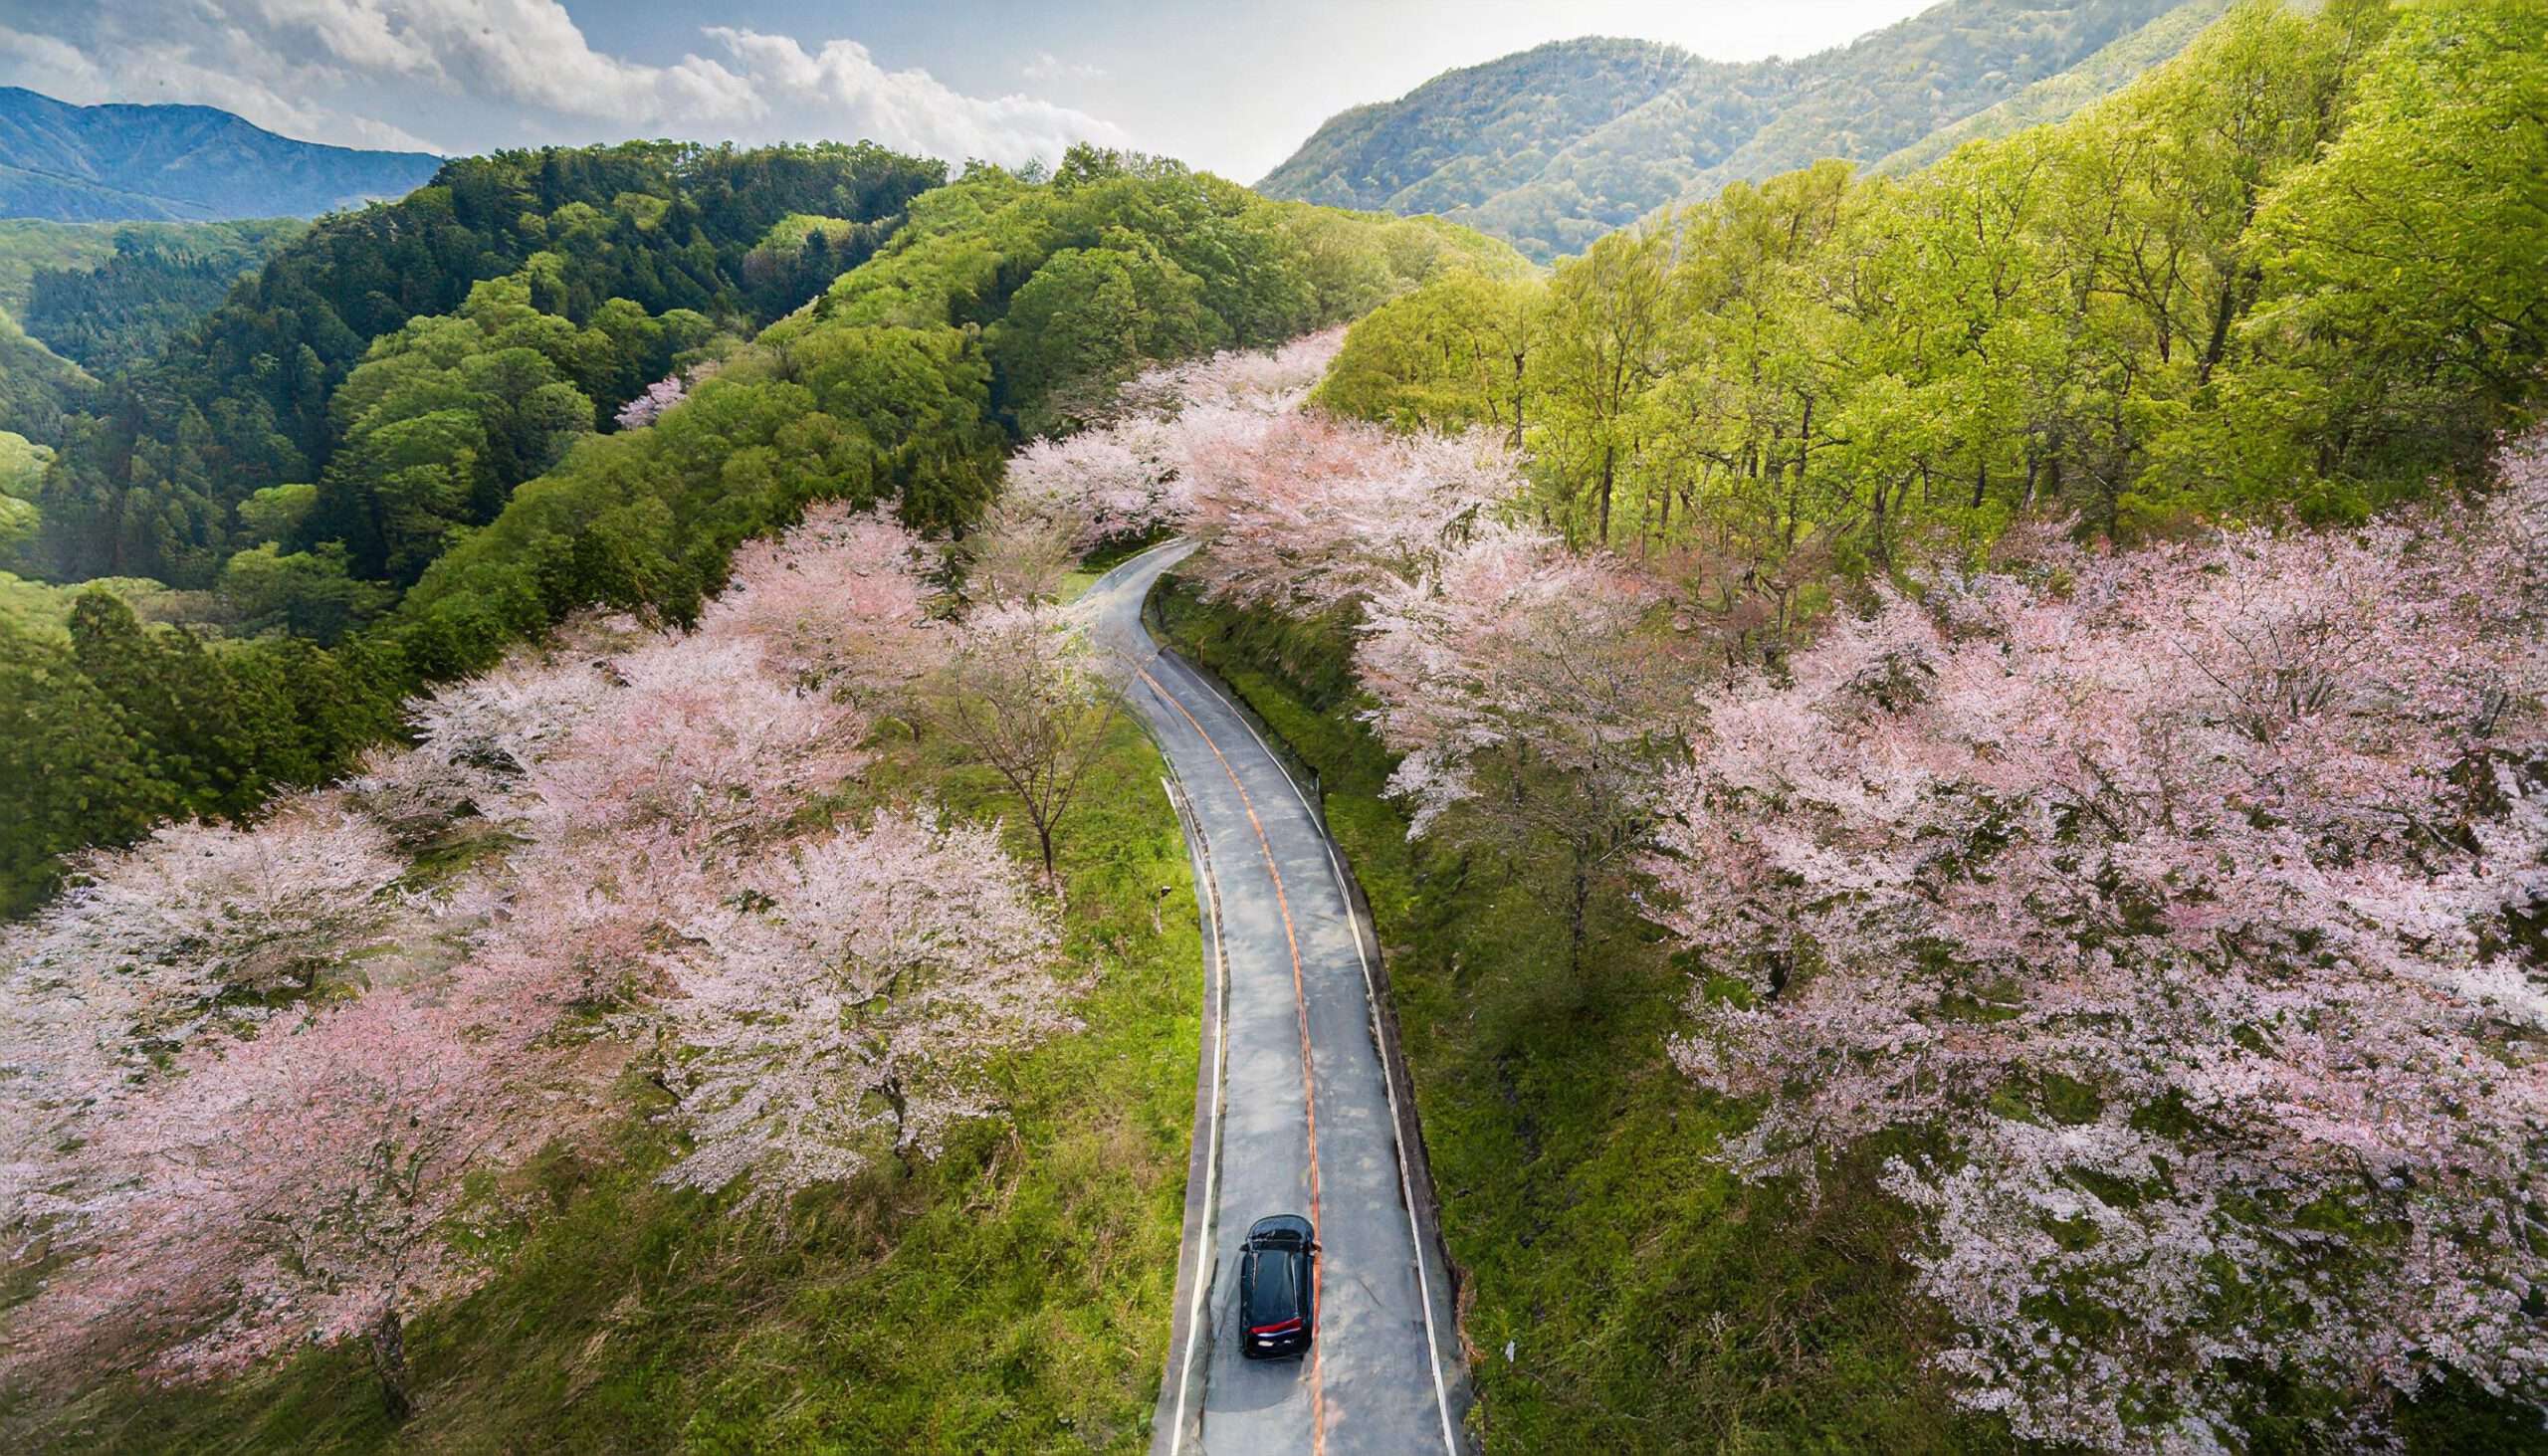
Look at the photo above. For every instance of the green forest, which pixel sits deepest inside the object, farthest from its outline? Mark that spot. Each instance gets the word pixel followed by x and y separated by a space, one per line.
pixel 81 301
pixel 399 448
pixel 2291 275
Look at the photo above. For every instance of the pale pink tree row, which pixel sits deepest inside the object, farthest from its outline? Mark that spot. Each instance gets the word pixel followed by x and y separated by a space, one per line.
pixel 2181 895
pixel 1268 381
pixel 1533 694
pixel 252 1082
pixel 1131 476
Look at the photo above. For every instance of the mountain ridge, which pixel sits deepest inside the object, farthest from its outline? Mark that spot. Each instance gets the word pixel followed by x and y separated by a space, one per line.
pixel 134 161
pixel 1627 128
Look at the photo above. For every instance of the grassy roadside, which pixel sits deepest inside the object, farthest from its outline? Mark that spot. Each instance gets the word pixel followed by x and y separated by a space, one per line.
pixel 1650 1302
pixel 1012 1295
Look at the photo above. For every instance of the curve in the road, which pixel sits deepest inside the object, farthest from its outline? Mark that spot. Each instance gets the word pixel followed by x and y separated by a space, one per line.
pixel 1301 999
pixel 1294 1032
pixel 1372 989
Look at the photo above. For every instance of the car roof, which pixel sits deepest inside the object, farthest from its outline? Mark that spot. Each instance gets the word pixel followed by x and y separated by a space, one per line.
pixel 1281 1229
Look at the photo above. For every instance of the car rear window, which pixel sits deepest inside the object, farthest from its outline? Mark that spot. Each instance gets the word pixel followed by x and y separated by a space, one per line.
pixel 1272 1295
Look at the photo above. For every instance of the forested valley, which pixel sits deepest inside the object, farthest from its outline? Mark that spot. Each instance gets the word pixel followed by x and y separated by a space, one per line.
pixel 1952 768
pixel 430 428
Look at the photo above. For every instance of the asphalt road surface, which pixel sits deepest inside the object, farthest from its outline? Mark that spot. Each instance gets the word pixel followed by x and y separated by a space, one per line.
pixel 1293 1114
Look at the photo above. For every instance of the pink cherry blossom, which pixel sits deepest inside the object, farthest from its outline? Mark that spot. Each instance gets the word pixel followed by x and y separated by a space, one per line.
pixel 2180 890
pixel 847 1003
pixel 842 600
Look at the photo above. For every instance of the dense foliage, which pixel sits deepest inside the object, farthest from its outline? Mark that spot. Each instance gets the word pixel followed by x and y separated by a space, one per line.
pixel 41 393
pixel 2289 275
pixel 132 284
pixel 120 311
pixel 1555 147
pixel 2059 95
pixel 1078 281
pixel 241 402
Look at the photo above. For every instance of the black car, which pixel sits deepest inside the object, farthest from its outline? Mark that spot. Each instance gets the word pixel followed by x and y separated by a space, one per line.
pixel 1278 1286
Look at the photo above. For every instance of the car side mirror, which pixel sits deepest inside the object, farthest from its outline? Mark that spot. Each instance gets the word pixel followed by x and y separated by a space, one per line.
pixel 1317 1248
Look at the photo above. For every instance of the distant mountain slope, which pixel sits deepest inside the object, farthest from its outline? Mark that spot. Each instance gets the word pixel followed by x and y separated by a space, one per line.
pixel 1552 147
pixel 2056 96
pixel 188 163
pixel 1466 135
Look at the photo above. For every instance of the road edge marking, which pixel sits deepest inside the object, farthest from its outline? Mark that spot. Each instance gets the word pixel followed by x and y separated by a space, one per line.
pixel 1388 1084
pixel 1301 1004
pixel 1206 1266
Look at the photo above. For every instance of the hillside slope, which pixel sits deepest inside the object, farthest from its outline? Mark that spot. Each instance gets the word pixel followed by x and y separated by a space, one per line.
pixel 186 163
pixel 2056 96
pixel 1467 135
pixel 1553 147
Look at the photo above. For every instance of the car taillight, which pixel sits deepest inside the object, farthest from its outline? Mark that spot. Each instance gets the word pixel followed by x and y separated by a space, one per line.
pixel 1280 1326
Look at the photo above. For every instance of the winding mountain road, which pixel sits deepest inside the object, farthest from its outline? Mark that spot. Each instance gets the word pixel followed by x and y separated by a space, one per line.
pixel 1295 1113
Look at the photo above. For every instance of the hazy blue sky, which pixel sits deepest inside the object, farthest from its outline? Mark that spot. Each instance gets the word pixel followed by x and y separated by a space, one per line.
pixel 1232 87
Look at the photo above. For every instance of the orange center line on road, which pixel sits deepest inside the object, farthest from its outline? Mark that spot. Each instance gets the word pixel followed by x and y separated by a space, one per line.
pixel 1300 1001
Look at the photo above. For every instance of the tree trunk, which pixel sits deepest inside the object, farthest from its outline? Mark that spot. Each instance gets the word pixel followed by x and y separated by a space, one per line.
pixel 389 1363
pixel 2230 306
pixel 1980 483
pixel 1883 547
pixel 1518 393
pixel 1610 469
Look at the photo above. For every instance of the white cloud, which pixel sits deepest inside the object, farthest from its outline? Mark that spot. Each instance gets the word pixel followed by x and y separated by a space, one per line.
pixel 524 68
pixel 1048 67
pixel 73 77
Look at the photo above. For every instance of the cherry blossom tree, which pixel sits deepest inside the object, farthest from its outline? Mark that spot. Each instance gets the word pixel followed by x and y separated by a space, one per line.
pixel 662 395
pixel 1312 512
pixel 1030 698
pixel 475 738
pixel 1019 555
pixel 1131 476
pixel 2182 893
pixel 291 1187
pixel 850 1000
pixel 1269 381
pixel 700 734
pixel 1519 671
pixel 1120 482
pixel 198 928
pixel 842 600
pixel 649 406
